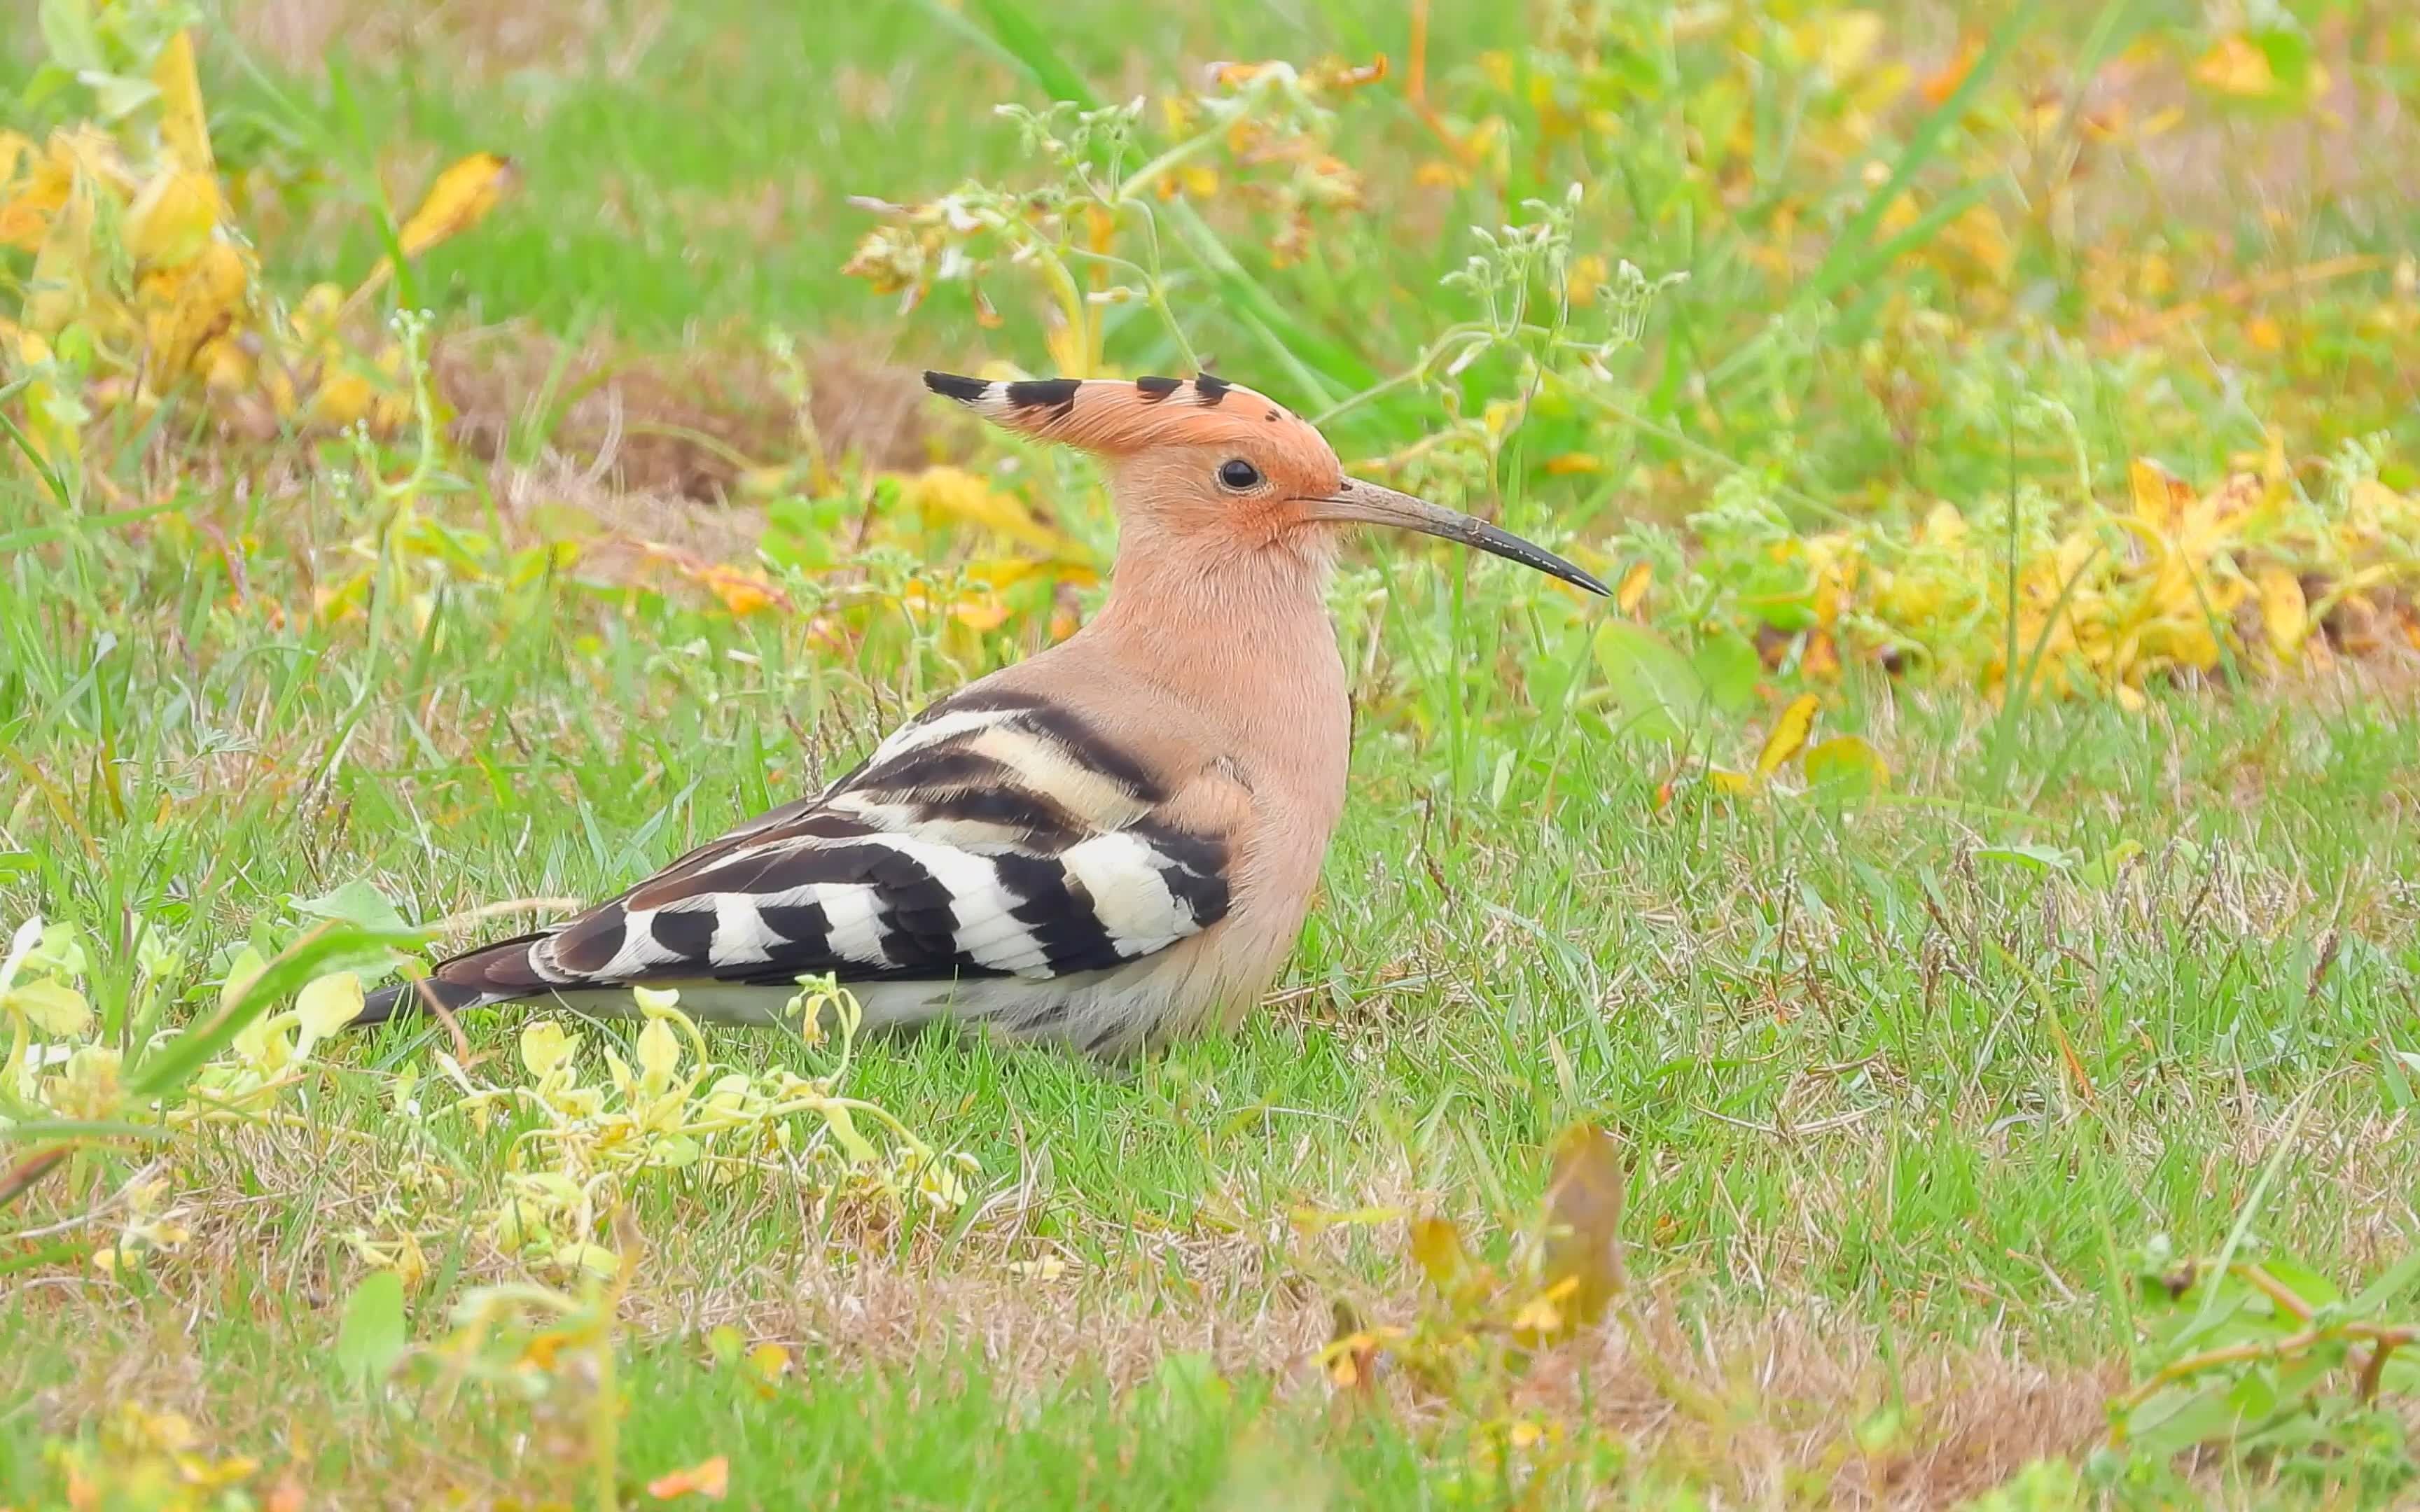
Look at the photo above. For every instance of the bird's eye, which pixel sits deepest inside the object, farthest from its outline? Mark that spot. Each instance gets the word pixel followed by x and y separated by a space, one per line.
pixel 1239 475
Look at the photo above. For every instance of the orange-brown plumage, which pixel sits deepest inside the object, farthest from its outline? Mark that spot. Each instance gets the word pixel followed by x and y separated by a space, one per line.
pixel 1108 845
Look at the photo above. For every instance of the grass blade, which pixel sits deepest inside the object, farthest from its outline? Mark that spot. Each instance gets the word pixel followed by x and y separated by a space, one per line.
pixel 168 1067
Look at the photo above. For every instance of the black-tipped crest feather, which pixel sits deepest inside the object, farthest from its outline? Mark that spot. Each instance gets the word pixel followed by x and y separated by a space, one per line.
pixel 953 385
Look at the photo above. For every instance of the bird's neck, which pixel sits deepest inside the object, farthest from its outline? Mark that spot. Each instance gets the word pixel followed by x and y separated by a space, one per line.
pixel 1244 638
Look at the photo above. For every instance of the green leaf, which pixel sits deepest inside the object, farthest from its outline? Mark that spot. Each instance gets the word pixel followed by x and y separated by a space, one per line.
pixel 359 903
pixel 2175 1420
pixel 53 1008
pixel 2288 52
pixel 2102 871
pixel 37 1131
pixel 2388 1288
pixel 356 902
pixel 1727 668
pixel 48 82
pixel 116 96
pixel 1190 1379
pixel 164 1069
pixel 2032 858
pixel 2254 1395
pixel 371 1339
pixel 68 33
pixel 1025 40
pixel 2402 1373
pixel 1843 768
pixel 2302 1281
pixel 2395 1071
pixel 1659 693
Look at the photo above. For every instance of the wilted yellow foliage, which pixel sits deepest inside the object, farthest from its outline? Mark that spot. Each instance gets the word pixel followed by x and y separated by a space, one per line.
pixel 133 251
pixel 967 498
pixel 2111 597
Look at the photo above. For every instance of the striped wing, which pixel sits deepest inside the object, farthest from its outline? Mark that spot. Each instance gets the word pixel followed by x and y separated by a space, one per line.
pixel 993 836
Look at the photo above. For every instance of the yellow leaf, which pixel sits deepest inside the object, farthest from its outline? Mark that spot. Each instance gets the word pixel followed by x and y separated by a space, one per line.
pixel 656 1001
pixel 89 1088
pixel 171 220
pixel 242 972
pixel 327 1005
pixel 659 1055
pixel 2375 507
pixel 1727 781
pixel 2235 67
pixel 1789 733
pixel 34 183
pixel 185 308
pixel 2160 499
pixel 56 293
pixel 1566 464
pixel 954 493
pixel 2284 615
pixel 1583 1238
pixel 225 367
pixel 1632 590
pixel 1844 40
pixel 1070 348
pixel 314 316
pixel 545 1046
pixel 184 126
pixel 1436 1246
pixel 2184 637
pixel 594 1259
pixel 1844 764
pixel 711 1480
pixel 1944 526
pixel 459 200
pixel 740 591
pixel 1543 1316
pixel 1586 280
pixel 52 1008
pixel 980 612
pixel 768 1363
pixel 1350 1357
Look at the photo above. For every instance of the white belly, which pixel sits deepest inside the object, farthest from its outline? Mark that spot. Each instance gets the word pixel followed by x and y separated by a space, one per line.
pixel 1105 1012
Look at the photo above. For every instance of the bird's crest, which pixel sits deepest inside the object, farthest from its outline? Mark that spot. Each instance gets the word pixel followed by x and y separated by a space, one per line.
pixel 1120 417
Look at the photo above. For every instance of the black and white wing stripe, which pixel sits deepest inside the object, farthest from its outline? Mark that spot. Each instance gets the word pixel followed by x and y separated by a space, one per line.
pixel 993 836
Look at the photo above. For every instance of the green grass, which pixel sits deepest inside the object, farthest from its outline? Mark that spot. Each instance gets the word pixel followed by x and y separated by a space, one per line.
pixel 1902 1103
pixel 1830 1038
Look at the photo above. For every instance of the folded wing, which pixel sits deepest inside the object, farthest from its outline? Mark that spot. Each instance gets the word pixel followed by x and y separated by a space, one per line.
pixel 994 835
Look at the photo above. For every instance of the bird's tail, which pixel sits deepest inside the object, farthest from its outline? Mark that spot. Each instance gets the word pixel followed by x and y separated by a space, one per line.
pixel 497 973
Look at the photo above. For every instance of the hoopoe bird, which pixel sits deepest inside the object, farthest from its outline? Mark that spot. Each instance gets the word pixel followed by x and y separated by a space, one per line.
pixel 1109 844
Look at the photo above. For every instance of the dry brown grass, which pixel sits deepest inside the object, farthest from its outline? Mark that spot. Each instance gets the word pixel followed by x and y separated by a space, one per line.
pixel 1765 1399
pixel 480 39
pixel 1757 1388
pixel 683 425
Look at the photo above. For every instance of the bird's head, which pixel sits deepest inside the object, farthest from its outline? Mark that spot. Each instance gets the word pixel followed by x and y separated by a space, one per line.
pixel 1210 467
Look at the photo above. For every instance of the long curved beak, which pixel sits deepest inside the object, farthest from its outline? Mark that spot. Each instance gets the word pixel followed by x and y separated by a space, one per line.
pixel 1366 503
